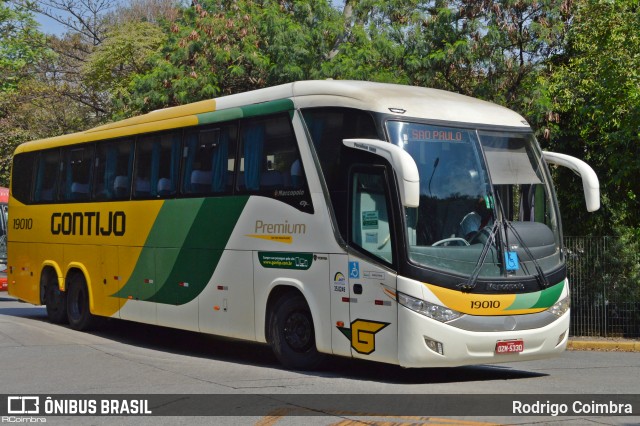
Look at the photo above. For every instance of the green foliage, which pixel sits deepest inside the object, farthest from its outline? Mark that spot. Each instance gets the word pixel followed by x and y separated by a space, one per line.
pixel 219 47
pixel 124 53
pixel 596 93
pixel 490 50
pixel 21 45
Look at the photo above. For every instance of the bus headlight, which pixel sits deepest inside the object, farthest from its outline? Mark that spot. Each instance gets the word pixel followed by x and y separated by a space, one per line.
pixel 431 310
pixel 561 307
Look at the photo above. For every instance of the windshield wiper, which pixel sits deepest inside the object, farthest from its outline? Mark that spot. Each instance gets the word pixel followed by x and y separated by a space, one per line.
pixel 470 284
pixel 471 281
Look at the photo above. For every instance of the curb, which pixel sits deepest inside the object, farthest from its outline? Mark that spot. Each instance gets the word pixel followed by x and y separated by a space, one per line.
pixel 595 345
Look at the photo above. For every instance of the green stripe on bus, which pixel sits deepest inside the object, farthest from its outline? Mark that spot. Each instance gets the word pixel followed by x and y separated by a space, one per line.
pixel 265 108
pixel 185 255
pixel 524 301
pixel 220 116
pixel 550 296
pixel 255 110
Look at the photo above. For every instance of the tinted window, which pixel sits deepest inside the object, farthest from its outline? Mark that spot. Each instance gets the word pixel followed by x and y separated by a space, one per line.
pixel 48 166
pixel 268 155
pixel 22 176
pixel 156 168
pixel 209 160
pixel 113 170
pixel 328 127
pixel 75 177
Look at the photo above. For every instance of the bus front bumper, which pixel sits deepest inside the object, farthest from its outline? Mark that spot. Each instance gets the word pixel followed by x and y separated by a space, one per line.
pixel 417 335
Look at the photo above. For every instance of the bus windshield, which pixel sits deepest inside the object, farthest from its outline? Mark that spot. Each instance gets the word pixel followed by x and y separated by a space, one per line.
pixel 469 180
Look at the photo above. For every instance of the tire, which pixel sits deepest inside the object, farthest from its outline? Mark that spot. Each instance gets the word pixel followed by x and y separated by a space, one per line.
pixel 292 336
pixel 55 300
pixel 78 313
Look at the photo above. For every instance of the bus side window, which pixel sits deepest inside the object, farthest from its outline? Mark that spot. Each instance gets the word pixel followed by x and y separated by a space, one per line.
pixel 75 176
pixel 209 160
pixel 113 170
pixel 370 226
pixel 22 180
pixel 156 168
pixel 269 156
pixel 48 167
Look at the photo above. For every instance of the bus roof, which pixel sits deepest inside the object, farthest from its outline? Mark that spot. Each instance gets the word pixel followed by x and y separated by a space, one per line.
pixel 418 102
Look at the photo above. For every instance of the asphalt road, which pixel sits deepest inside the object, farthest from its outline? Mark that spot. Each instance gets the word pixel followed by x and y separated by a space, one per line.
pixel 37 357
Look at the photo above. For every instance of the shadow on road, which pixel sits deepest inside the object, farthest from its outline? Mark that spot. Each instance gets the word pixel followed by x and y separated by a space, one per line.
pixel 187 343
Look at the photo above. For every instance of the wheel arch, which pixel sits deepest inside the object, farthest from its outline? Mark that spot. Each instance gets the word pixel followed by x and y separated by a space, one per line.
pixel 79 268
pixel 50 268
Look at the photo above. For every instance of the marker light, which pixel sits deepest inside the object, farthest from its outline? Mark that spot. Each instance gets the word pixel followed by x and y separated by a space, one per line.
pixel 560 307
pixel 431 310
pixel 561 338
pixel 434 345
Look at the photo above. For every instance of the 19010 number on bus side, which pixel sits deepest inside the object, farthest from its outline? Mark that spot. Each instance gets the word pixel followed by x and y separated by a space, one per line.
pixel 485 304
pixel 22 223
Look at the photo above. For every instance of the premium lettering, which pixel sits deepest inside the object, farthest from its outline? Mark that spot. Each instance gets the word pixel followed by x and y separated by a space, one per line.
pixel 89 223
pixel 280 228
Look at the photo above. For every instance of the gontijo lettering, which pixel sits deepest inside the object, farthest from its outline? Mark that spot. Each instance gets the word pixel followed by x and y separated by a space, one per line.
pixel 91 223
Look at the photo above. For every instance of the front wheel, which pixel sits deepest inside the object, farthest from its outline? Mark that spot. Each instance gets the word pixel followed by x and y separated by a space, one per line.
pixel 292 334
pixel 78 313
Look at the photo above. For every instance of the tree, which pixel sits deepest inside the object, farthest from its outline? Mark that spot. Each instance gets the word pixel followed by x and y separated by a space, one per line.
pixel 21 45
pixel 595 93
pixel 596 99
pixel 124 53
pixel 221 47
pixel 491 50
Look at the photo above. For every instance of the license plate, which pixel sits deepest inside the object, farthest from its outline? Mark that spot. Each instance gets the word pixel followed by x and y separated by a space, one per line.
pixel 509 346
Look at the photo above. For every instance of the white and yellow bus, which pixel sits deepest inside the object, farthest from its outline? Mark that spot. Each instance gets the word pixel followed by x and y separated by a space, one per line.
pixel 397 224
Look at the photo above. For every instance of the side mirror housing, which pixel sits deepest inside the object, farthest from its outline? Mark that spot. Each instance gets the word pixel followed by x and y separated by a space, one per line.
pixel 590 182
pixel 403 165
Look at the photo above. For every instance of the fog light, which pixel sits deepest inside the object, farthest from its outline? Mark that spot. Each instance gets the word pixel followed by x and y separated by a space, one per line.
pixel 434 345
pixel 561 338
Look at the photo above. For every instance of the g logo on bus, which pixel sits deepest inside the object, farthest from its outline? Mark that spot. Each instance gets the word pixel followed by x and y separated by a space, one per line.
pixel 363 335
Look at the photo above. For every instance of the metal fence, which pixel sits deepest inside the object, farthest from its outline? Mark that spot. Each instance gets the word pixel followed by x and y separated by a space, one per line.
pixel 605 287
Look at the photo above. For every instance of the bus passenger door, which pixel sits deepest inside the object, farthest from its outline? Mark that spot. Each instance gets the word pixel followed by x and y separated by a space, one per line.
pixel 372 281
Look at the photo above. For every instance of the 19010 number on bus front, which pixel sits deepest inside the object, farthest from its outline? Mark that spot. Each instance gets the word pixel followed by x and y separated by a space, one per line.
pixel 485 304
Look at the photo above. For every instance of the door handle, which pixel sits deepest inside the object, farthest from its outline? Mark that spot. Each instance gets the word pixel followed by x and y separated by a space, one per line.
pixel 357 288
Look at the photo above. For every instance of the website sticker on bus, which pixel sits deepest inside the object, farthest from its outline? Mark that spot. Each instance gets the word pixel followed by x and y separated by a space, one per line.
pixel 280 260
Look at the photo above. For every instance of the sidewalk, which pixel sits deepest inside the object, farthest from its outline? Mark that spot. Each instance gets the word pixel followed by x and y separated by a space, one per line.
pixel 613 344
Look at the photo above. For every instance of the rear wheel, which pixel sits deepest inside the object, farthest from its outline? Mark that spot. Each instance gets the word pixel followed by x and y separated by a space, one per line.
pixel 292 335
pixel 55 300
pixel 78 313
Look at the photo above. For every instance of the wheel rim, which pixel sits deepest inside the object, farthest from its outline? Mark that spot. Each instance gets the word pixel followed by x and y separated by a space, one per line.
pixel 298 332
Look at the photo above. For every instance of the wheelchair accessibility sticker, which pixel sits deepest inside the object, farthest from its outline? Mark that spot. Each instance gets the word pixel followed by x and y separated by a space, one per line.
pixel 354 270
pixel 511 261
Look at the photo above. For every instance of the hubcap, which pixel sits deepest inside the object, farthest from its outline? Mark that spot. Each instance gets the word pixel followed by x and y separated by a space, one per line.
pixel 298 331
